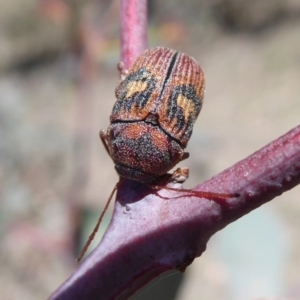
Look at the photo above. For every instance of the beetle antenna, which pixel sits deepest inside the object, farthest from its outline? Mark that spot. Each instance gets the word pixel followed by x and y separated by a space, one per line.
pixel 92 235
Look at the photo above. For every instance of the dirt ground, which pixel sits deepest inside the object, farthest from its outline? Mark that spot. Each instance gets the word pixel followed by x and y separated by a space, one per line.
pixel 252 97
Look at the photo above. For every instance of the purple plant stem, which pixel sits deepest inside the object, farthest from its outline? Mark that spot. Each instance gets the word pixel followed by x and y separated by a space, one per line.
pixel 260 177
pixel 155 231
pixel 133 30
pixel 152 232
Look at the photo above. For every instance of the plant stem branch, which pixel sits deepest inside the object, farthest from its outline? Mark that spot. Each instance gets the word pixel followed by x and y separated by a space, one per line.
pixel 134 23
pixel 152 231
pixel 149 235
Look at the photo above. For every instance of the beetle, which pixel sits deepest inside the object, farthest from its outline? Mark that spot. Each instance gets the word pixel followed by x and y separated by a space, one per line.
pixel 158 102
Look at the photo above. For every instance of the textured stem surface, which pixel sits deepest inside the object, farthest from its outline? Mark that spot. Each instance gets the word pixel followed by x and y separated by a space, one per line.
pixel 133 30
pixel 155 231
pixel 149 235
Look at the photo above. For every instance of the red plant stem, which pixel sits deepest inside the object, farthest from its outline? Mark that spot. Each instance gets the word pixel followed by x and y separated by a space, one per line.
pixel 260 177
pixel 149 235
pixel 133 30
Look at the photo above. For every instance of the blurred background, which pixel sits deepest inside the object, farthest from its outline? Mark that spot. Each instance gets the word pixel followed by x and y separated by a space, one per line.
pixel 57 78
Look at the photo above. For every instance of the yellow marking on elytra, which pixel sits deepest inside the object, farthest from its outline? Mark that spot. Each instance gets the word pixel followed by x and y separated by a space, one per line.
pixel 187 106
pixel 136 87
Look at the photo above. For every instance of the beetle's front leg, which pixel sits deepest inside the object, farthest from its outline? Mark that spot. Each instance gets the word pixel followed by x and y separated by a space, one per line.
pixel 104 137
pixel 185 156
pixel 180 175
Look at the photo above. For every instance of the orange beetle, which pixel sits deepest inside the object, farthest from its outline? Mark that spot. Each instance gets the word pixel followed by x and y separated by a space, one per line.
pixel 158 102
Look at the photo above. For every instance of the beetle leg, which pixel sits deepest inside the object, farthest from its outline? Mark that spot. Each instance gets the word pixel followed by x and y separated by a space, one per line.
pixel 185 156
pixel 122 70
pixel 91 237
pixel 180 175
pixel 123 73
pixel 103 137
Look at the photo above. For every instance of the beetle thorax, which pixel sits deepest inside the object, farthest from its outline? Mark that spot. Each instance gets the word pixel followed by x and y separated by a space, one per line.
pixel 142 151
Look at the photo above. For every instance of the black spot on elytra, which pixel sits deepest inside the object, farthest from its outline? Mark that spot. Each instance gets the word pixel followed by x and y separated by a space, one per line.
pixel 139 98
pixel 175 111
